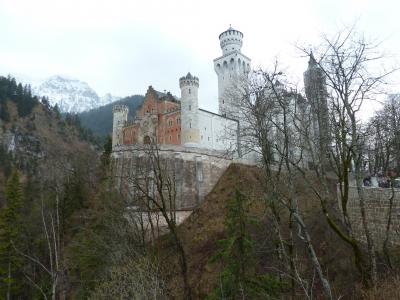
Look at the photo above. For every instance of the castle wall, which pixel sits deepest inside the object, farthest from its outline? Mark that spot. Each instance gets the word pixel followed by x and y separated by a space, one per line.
pixel 217 132
pixel 130 134
pixel 377 209
pixel 195 170
pixel 169 128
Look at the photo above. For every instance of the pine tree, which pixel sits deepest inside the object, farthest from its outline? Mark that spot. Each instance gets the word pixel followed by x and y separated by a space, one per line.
pixel 106 155
pixel 56 110
pixel 10 238
pixel 238 279
pixel 4 114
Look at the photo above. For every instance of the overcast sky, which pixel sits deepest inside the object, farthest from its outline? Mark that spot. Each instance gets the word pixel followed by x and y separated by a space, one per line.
pixel 122 47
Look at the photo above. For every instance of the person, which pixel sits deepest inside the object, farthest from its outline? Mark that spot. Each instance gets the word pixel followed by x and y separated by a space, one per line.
pixel 367 181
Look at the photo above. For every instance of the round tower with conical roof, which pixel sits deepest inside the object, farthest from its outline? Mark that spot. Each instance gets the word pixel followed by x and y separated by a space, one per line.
pixel 190 132
pixel 230 68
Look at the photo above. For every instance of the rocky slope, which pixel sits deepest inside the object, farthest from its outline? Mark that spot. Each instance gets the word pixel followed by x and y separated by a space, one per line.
pixel 41 144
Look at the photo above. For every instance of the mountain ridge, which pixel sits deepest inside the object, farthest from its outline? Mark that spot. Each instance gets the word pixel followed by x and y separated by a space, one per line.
pixel 70 94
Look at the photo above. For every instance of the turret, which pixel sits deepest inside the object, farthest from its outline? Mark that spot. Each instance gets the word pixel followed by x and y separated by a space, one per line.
pixel 231 40
pixel 120 116
pixel 317 98
pixel 230 68
pixel 190 132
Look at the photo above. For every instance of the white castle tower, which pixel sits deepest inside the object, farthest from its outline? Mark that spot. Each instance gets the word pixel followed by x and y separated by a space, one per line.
pixel 229 68
pixel 190 133
pixel 120 116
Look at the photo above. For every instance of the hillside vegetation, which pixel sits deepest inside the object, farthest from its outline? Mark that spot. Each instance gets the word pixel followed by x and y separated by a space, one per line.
pixel 206 226
pixel 202 232
pixel 99 120
pixel 46 166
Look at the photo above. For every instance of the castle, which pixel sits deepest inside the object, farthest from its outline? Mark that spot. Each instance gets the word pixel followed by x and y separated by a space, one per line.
pixel 198 144
pixel 164 120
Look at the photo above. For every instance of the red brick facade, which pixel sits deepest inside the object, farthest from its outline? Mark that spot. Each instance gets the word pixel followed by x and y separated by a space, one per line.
pixel 158 117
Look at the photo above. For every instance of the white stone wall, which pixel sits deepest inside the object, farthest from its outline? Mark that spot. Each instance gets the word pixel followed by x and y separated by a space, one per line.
pixel 217 132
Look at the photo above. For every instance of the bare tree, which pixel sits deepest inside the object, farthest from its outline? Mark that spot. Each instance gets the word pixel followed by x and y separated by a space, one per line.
pixel 153 186
pixel 52 264
pixel 350 65
pixel 135 279
pixel 270 105
pixel 384 129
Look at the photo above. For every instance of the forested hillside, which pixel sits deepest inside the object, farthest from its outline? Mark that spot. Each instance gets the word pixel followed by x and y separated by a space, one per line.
pixel 46 166
pixel 99 120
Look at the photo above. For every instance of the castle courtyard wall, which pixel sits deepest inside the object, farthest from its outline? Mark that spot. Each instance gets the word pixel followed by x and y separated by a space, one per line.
pixel 195 170
pixel 217 132
pixel 377 203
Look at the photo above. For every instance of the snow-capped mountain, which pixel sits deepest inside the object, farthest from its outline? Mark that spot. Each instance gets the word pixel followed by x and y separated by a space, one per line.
pixel 108 98
pixel 71 95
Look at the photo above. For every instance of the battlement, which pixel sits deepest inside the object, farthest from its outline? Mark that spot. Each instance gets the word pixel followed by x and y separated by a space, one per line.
pixel 130 122
pixel 231 37
pixel 120 108
pixel 188 80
